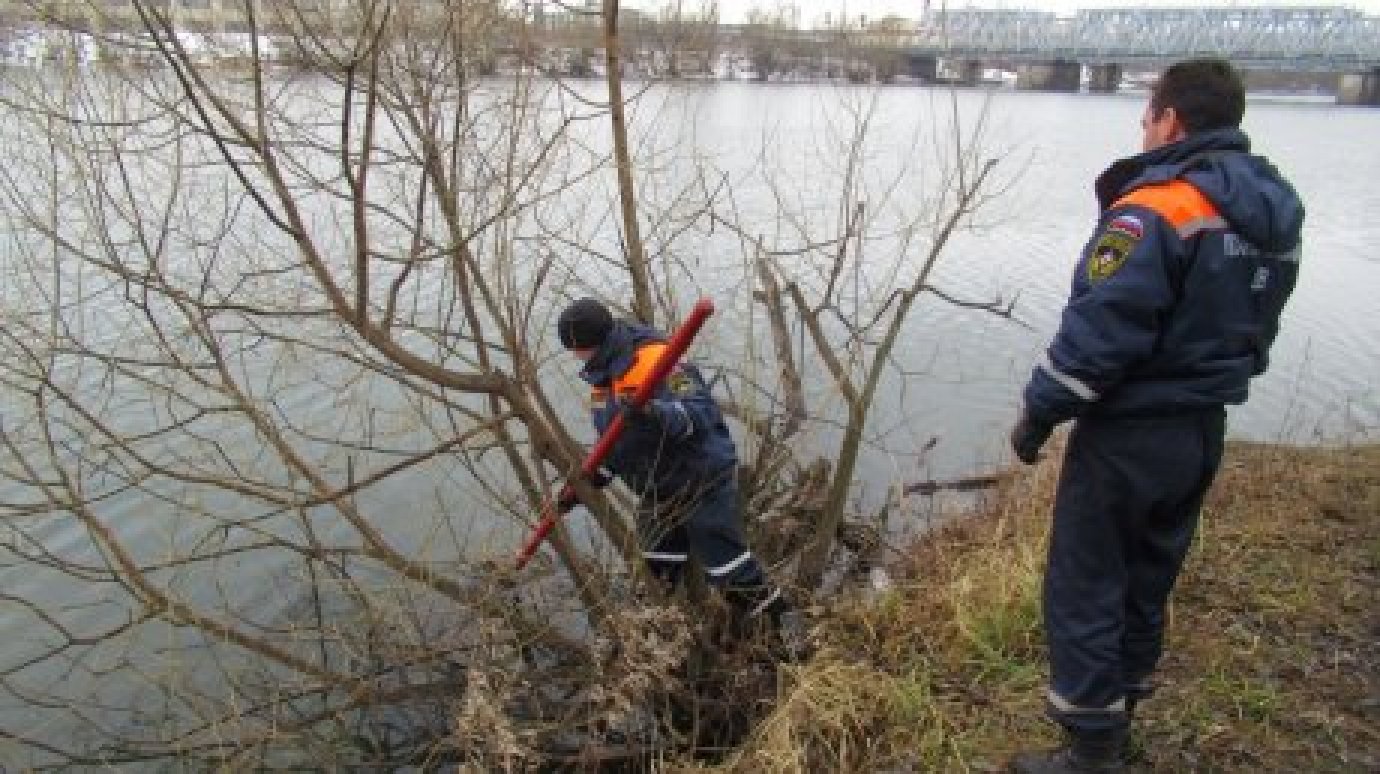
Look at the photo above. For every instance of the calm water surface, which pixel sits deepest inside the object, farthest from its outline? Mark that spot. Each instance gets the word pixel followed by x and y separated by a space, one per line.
pixel 1324 382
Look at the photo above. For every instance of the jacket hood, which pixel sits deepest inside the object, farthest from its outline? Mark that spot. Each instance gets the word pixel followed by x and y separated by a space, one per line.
pixel 1247 189
pixel 615 356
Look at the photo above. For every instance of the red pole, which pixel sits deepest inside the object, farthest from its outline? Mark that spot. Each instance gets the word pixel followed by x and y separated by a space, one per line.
pixel 675 347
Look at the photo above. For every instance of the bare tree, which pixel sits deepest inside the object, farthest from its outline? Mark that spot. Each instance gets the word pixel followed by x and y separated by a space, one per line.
pixel 204 251
pixel 684 39
pixel 836 295
pixel 766 36
pixel 276 383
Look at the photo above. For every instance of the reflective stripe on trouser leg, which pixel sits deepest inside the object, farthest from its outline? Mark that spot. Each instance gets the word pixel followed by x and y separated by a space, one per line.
pixel 1083 720
pixel 666 549
pixel 715 530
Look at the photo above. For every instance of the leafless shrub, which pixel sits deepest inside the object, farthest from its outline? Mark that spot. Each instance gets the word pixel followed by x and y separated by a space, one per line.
pixel 279 398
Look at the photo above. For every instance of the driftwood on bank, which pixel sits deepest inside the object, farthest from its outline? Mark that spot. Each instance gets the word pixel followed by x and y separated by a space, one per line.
pixel 965 484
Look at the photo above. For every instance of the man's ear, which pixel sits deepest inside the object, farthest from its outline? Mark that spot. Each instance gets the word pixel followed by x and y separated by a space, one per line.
pixel 1177 131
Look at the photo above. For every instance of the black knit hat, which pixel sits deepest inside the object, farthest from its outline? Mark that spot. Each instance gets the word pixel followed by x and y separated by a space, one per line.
pixel 584 324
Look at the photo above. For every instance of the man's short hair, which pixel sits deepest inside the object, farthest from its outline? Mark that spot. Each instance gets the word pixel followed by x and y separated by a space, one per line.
pixel 1206 94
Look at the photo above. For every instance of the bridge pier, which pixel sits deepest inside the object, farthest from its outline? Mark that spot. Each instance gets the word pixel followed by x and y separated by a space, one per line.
pixel 969 72
pixel 1104 78
pixel 1359 88
pixel 926 68
pixel 1059 75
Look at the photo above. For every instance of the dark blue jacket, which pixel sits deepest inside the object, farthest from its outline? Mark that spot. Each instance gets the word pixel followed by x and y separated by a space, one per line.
pixel 682 442
pixel 1177 296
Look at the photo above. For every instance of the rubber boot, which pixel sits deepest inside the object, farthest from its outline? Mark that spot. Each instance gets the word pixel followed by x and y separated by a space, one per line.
pixel 767 610
pixel 1085 752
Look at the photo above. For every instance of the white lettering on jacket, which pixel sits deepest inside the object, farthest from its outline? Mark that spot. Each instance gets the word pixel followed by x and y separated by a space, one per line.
pixel 1237 247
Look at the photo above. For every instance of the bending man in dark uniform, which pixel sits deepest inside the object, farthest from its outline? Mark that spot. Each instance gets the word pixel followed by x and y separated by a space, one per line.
pixel 1174 305
pixel 676 453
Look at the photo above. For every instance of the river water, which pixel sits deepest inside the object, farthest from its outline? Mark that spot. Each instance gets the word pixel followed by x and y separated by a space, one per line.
pixel 945 409
pixel 967 368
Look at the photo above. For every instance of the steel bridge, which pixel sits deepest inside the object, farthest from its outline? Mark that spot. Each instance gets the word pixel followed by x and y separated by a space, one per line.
pixel 1332 39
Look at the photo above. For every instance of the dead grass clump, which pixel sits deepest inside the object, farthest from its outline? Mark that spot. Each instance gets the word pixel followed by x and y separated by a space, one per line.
pixel 829 713
pixel 642 665
pixel 485 734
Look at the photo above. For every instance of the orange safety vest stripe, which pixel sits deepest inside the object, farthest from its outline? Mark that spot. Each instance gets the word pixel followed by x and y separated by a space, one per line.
pixel 1180 203
pixel 644 360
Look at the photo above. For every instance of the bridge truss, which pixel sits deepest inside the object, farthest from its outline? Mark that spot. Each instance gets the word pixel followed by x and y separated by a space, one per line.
pixel 1302 38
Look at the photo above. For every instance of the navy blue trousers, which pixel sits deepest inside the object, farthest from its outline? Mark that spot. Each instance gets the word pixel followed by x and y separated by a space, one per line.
pixel 1124 516
pixel 704 522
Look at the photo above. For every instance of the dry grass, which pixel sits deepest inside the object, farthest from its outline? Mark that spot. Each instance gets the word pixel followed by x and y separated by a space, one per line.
pixel 1273 659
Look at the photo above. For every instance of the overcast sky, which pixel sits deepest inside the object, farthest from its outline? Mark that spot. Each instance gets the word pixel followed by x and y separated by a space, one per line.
pixel 732 11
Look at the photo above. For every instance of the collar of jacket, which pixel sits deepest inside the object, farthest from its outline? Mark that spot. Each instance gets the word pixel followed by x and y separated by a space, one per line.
pixel 1166 162
pixel 615 356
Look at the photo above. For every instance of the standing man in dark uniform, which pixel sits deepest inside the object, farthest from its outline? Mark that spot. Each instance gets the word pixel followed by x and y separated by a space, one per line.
pixel 677 455
pixel 1174 305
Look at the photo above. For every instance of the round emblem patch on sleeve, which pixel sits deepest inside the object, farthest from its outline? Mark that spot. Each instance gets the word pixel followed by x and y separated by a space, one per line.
pixel 680 384
pixel 1114 246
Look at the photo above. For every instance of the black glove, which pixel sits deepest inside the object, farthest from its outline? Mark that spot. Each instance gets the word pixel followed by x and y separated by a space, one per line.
pixel 564 503
pixel 1028 436
pixel 599 479
pixel 647 413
